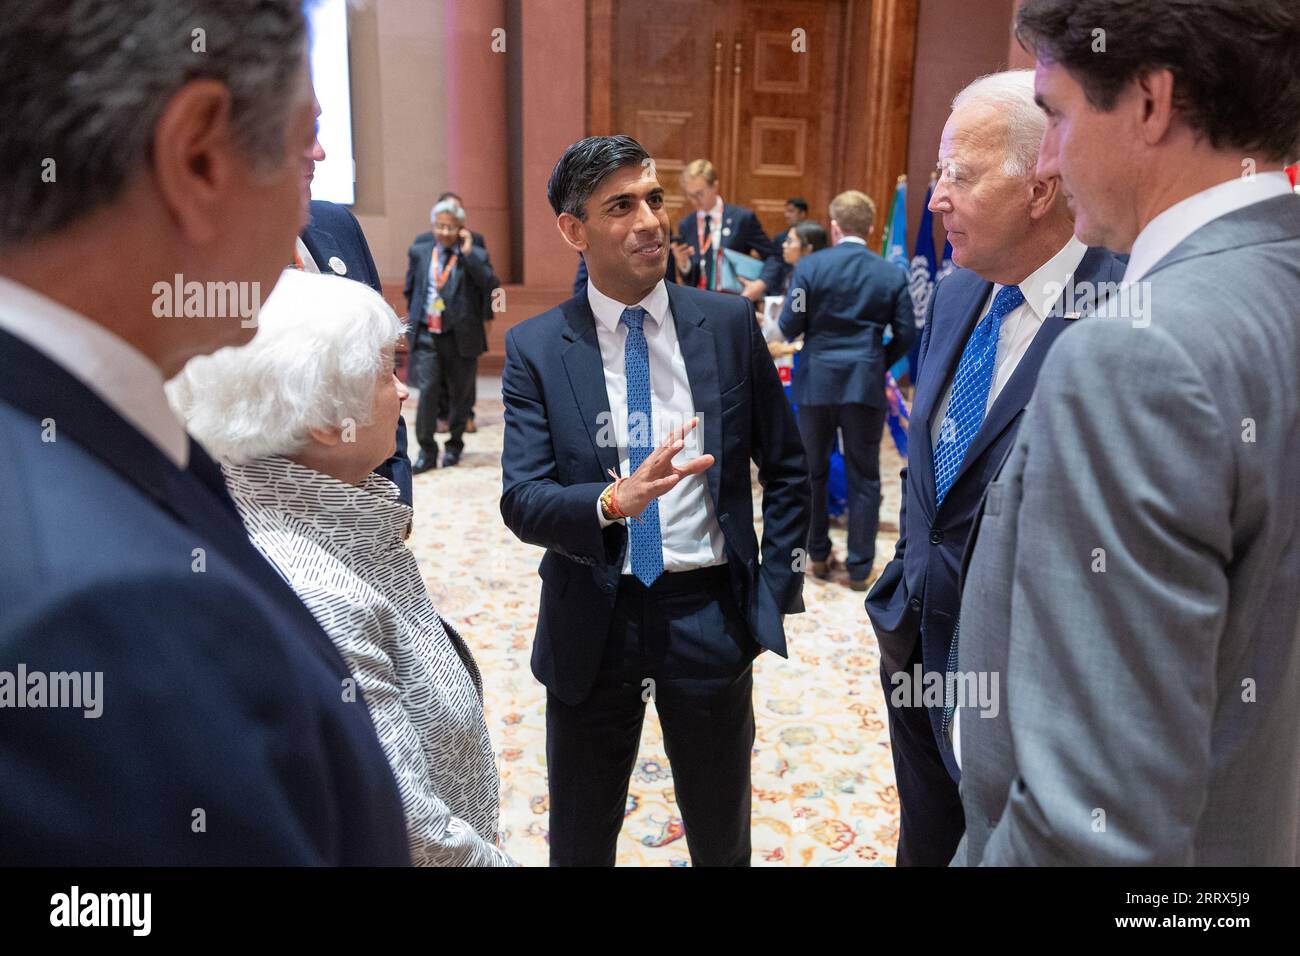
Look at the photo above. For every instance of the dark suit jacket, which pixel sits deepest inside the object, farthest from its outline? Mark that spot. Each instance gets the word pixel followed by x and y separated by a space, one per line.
pixel 849 296
pixel 741 231
pixel 554 470
pixel 334 233
pixel 778 240
pixel 467 294
pixel 917 593
pixel 220 690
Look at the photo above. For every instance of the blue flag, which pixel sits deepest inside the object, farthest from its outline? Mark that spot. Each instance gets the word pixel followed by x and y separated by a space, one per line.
pixel 945 265
pixel 923 278
pixel 895 246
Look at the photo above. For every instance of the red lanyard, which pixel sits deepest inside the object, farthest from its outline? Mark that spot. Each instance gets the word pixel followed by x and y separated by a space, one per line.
pixel 705 242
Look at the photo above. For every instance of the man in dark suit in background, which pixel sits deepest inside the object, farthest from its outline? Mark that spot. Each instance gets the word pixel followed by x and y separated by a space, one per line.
pixel 226 732
pixel 714 226
pixel 334 243
pixel 449 284
pixel 841 301
pixel 989 327
pixel 444 399
pixel 652 586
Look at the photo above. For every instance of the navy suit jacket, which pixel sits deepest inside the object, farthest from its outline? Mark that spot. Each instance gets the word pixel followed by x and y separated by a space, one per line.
pixel 467 294
pixel 741 231
pixel 554 469
pixel 917 595
pixel 334 234
pixel 221 693
pixel 841 300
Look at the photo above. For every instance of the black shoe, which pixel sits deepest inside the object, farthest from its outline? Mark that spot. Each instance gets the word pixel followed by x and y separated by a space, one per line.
pixel 424 463
pixel 450 458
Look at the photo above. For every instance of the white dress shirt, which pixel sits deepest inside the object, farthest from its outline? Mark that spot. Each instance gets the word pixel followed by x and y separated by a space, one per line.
pixel 308 263
pixel 1020 325
pixel 109 366
pixel 687 523
pixel 1180 220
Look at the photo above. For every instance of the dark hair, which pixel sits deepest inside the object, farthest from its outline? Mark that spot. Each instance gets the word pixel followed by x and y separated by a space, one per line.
pixel 799 203
pixel 1235 63
pixel 84 83
pixel 812 234
pixel 583 166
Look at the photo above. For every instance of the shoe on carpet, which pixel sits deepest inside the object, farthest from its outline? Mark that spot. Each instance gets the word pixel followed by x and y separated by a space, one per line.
pixel 450 459
pixel 424 463
pixel 823 569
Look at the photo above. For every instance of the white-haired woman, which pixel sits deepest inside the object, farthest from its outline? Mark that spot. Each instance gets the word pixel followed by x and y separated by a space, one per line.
pixel 299 418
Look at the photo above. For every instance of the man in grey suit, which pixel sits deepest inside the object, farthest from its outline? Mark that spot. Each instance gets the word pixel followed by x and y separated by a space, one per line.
pixel 1135 575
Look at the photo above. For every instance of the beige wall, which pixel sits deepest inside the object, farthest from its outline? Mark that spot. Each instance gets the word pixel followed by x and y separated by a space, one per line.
pixel 399 123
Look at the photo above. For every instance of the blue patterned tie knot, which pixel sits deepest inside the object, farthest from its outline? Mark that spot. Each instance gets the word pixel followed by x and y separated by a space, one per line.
pixel 645 538
pixel 970 391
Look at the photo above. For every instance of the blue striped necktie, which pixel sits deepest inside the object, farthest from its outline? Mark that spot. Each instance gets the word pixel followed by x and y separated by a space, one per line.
pixel 970 392
pixel 644 536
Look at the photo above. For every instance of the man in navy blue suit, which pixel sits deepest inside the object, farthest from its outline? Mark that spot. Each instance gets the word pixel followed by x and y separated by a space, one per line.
pixel 841 300
pixel 334 243
pixel 652 584
pixel 714 226
pixel 988 329
pixel 227 728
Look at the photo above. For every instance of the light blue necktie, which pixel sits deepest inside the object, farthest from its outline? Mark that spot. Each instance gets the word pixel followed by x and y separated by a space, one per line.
pixel 645 540
pixel 970 391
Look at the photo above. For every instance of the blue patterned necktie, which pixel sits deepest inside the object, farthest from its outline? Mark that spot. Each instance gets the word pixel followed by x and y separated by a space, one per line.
pixel 646 541
pixel 970 391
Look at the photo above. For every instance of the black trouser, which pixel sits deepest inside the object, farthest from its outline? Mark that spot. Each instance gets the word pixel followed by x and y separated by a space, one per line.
pixel 931 820
pixel 861 426
pixel 439 364
pixel 684 643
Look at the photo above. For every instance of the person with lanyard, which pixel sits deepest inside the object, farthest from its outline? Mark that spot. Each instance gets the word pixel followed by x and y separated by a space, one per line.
pixel 445 327
pixel 715 226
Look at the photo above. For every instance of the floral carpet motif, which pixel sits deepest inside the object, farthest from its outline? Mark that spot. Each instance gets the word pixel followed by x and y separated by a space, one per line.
pixel 823 778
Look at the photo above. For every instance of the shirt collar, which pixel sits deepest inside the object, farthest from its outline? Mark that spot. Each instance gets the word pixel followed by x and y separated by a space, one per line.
pixel 854 239
pixel 368 518
pixel 715 212
pixel 108 365
pixel 1047 283
pixel 609 311
pixel 1163 233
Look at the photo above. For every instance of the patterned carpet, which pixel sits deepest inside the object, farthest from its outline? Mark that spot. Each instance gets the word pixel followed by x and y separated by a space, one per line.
pixel 823 780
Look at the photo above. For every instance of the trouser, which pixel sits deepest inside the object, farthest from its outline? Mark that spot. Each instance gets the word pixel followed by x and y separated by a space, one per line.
pixel 439 363
pixel 685 644
pixel 931 820
pixel 861 426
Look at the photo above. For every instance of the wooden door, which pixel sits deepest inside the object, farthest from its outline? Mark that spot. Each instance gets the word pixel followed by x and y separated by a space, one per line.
pixel 785 97
pixel 751 85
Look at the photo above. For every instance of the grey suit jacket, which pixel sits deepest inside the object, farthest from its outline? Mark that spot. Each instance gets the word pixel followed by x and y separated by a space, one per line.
pixel 1135 578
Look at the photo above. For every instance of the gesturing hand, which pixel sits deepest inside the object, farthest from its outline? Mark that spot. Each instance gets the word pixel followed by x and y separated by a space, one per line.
pixel 658 475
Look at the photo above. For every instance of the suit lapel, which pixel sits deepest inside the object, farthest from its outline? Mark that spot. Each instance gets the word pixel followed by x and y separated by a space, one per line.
pixel 322 247
pixel 701 356
pixel 941 367
pixel 586 373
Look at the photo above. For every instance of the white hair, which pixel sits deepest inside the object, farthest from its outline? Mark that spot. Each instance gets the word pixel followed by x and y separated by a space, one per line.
pixel 314 363
pixel 448 206
pixel 1011 93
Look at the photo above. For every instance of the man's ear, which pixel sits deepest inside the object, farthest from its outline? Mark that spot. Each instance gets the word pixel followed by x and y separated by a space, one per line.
pixel 329 437
pixel 193 157
pixel 574 231
pixel 1043 195
pixel 1154 91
